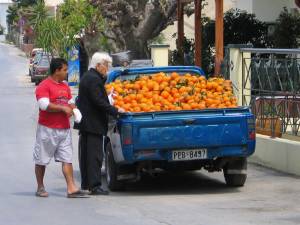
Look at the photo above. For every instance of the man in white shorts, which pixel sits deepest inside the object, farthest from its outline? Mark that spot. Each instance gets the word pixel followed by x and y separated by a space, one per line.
pixel 53 137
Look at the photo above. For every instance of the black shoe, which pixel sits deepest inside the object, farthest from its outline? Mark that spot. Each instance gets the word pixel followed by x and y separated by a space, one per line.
pixel 98 191
pixel 84 188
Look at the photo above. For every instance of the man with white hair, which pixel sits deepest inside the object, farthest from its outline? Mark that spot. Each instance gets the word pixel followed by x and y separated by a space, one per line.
pixel 94 105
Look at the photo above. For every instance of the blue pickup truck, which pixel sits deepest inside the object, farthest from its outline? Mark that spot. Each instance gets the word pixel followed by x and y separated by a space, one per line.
pixel 213 139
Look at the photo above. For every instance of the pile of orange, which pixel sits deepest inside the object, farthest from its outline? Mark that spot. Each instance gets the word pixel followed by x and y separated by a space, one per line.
pixel 163 92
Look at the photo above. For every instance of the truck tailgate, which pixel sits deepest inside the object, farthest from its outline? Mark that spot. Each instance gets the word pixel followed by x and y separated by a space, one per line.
pixel 190 129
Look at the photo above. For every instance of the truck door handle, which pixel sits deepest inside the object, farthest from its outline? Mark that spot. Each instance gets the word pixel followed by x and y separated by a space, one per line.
pixel 189 121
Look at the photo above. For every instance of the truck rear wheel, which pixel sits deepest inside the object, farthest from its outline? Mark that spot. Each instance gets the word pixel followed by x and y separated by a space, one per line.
pixel 112 171
pixel 235 172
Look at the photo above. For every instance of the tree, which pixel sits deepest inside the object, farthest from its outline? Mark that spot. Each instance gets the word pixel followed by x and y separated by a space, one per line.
pixel 36 14
pixel 287 30
pixel 240 27
pixel 13 10
pixel 51 37
pixel 24 3
pixel 82 18
pixel 131 23
pixel 12 14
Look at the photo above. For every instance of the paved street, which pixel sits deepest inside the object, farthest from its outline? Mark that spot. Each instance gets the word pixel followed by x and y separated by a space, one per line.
pixel 192 198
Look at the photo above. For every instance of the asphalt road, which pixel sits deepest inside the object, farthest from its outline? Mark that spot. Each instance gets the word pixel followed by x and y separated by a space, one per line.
pixel 191 198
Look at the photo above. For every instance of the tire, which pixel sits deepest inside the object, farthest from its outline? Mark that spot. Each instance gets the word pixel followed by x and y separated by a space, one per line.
pixel 112 171
pixel 235 172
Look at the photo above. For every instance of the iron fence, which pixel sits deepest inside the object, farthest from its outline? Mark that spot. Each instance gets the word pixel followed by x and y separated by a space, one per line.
pixel 271 87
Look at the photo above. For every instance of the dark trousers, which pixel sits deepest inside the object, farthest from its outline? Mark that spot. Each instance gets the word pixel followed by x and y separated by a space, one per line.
pixel 90 160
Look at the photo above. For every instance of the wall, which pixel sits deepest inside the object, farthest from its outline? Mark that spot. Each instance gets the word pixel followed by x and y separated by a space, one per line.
pixel 244 5
pixel 276 153
pixel 265 10
pixel 172 29
pixel 3 8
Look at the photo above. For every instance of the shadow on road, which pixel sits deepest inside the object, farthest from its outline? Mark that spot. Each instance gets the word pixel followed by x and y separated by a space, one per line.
pixel 180 183
pixel 56 192
pixel 187 183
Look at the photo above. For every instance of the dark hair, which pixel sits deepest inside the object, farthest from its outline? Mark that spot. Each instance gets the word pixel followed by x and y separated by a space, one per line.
pixel 57 64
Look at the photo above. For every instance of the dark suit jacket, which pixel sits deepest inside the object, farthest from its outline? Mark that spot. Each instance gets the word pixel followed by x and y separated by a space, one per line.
pixel 93 104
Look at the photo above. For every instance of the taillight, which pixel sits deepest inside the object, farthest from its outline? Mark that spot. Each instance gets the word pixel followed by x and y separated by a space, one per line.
pixel 251 129
pixel 252 135
pixel 126 132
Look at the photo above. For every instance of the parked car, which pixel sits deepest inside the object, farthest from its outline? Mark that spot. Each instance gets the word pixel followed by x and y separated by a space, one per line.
pixel 41 69
pixel 36 59
pixel 33 53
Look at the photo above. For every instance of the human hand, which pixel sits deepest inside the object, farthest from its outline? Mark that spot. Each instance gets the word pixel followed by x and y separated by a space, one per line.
pixel 121 110
pixel 67 110
pixel 111 96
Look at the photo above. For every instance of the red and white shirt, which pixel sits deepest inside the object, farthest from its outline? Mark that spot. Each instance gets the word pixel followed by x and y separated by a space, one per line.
pixel 58 93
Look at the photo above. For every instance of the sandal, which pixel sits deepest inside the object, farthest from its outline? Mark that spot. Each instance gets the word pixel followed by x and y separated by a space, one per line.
pixel 77 194
pixel 41 193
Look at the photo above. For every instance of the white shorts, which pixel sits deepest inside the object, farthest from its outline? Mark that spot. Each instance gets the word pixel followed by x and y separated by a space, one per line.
pixel 51 143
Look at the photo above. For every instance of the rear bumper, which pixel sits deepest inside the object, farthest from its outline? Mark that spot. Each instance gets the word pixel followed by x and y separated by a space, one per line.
pixel 132 156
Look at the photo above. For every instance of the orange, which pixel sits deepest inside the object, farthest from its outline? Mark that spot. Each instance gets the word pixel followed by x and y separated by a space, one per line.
pixel 172 92
pixel 165 94
pixel 186 107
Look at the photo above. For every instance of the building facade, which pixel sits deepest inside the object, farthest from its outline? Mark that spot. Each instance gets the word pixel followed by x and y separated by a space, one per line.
pixel 3 8
pixel 266 10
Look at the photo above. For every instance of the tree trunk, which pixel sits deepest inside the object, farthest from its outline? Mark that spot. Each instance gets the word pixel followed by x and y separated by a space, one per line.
pixel 132 23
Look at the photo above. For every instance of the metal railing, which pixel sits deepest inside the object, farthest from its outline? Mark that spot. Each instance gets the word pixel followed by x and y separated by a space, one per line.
pixel 271 87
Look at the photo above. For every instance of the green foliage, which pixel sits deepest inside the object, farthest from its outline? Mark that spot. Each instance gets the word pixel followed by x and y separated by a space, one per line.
pixel 77 15
pixel 188 49
pixel 15 10
pixel 160 39
pixel 50 36
pixel 24 3
pixel 240 27
pixel 38 14
pixel 12 14
pixel 53 37
pixel 80 17
pixel 287 30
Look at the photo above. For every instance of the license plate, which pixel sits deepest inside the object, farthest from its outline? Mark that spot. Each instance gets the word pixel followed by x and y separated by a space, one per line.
pixel 181 155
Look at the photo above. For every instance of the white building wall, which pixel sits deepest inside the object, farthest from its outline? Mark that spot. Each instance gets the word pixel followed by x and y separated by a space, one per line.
pixel 265 10
pixel 172 29
pixel 3 9
pixel 244 5
pixel 53 2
